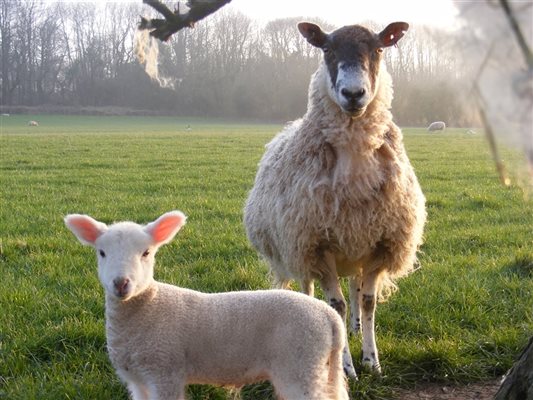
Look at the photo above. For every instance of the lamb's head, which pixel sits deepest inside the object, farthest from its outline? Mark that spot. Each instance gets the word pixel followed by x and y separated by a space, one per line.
pixel 125 250
pixel 352 55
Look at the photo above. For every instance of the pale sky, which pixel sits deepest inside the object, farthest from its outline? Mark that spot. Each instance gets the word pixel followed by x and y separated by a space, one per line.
pixel 340 12
pixel 349 12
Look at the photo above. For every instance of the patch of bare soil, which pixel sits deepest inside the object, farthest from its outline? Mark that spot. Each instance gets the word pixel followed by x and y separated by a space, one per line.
pixel 474 391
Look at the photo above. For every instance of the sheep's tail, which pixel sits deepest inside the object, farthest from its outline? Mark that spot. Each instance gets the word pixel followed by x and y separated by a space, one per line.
pixel 337 385
pixel 387 284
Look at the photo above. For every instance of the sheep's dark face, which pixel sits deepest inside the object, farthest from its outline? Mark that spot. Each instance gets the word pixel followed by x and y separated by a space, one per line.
pixel 352 55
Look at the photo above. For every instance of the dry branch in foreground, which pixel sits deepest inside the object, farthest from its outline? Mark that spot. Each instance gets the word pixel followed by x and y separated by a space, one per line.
pixel 174 21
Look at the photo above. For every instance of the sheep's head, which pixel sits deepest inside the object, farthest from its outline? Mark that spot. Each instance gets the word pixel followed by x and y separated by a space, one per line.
pixel 352 55
pixel 125 250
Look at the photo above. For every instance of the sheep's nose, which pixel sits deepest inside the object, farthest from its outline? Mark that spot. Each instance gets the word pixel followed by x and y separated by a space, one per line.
pixel 353 96
pixel 121 284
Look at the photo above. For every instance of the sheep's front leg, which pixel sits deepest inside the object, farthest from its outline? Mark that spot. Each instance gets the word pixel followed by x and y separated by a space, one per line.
pixel 355 309
pixel 367 300
pixel 332 289
pixel 308 287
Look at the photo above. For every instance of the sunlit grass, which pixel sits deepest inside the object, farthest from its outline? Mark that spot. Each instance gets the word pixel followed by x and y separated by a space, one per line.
pixel 462 317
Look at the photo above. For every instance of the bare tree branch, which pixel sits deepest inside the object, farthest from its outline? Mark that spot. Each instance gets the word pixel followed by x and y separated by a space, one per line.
pixel 526 51
pixel 489 132
pixel 163 29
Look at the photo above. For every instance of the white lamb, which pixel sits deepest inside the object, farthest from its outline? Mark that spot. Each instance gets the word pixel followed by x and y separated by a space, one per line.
pixel 161 338
pixel 335 194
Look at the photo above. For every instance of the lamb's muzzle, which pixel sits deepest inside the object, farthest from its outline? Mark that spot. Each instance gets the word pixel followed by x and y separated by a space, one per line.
pixel 121 286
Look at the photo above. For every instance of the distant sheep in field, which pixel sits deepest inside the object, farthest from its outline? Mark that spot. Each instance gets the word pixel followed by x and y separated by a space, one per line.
pixel 161 338
pixel 33 123
pixel 437 126
pixel 335 194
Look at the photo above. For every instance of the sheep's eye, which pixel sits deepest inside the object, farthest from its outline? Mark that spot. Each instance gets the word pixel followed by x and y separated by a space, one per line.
pixel 146 253
pixel 379 50
pixel 102 253
pixel 325 49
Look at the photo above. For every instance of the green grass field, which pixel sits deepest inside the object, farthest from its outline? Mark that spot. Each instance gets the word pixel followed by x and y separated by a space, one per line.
pixel 462 317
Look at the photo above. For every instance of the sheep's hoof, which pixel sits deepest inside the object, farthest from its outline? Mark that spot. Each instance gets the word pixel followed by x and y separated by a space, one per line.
pixel 355 330
pixel 350 373
pixel 371 366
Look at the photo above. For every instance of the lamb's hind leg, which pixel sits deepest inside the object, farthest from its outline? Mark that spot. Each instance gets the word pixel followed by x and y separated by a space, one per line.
pixel 332 289
pixel 368 299
pixel 306 382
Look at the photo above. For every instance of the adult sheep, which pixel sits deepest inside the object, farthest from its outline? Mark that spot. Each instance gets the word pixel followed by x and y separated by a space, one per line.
pixel 335 194
pixel 437 126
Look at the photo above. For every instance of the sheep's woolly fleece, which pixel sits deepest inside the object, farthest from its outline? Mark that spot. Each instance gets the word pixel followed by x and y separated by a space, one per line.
pixel 328 182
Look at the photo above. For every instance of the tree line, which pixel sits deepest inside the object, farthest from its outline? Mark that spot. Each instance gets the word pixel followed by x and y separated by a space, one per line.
pixel 83 55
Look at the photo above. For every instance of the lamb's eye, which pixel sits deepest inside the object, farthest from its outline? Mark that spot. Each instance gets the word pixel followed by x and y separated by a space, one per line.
pixel 102 253
pixel 379 50
pixel 146 253
pixel 325 49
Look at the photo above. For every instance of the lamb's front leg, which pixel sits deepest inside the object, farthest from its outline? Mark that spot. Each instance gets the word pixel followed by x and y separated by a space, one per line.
pixel 333 291
pixel 167 387
pixel 138 391
pixel 367 300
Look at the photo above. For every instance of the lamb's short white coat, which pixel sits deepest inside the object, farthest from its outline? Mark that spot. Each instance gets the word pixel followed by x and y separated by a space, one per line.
pixel 161 337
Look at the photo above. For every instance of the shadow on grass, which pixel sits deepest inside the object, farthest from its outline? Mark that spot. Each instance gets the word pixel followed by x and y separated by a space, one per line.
pixel 522 267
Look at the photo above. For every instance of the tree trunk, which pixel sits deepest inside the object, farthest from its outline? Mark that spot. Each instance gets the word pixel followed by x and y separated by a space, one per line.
pixel 518 384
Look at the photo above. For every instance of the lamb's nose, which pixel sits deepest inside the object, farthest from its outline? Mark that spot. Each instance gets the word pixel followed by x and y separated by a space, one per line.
pixel 353 95
pixel 121 284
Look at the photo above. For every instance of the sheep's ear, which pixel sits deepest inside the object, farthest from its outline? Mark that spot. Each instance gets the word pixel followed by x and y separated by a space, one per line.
pixel 163 229
pixel 313 34
pixel 392 33
pixel 86 229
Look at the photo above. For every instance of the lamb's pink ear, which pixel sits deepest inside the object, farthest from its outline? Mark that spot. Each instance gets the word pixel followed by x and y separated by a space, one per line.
pixel 163 229
pixel 86 229
pixel 392 33
pixel 313 34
